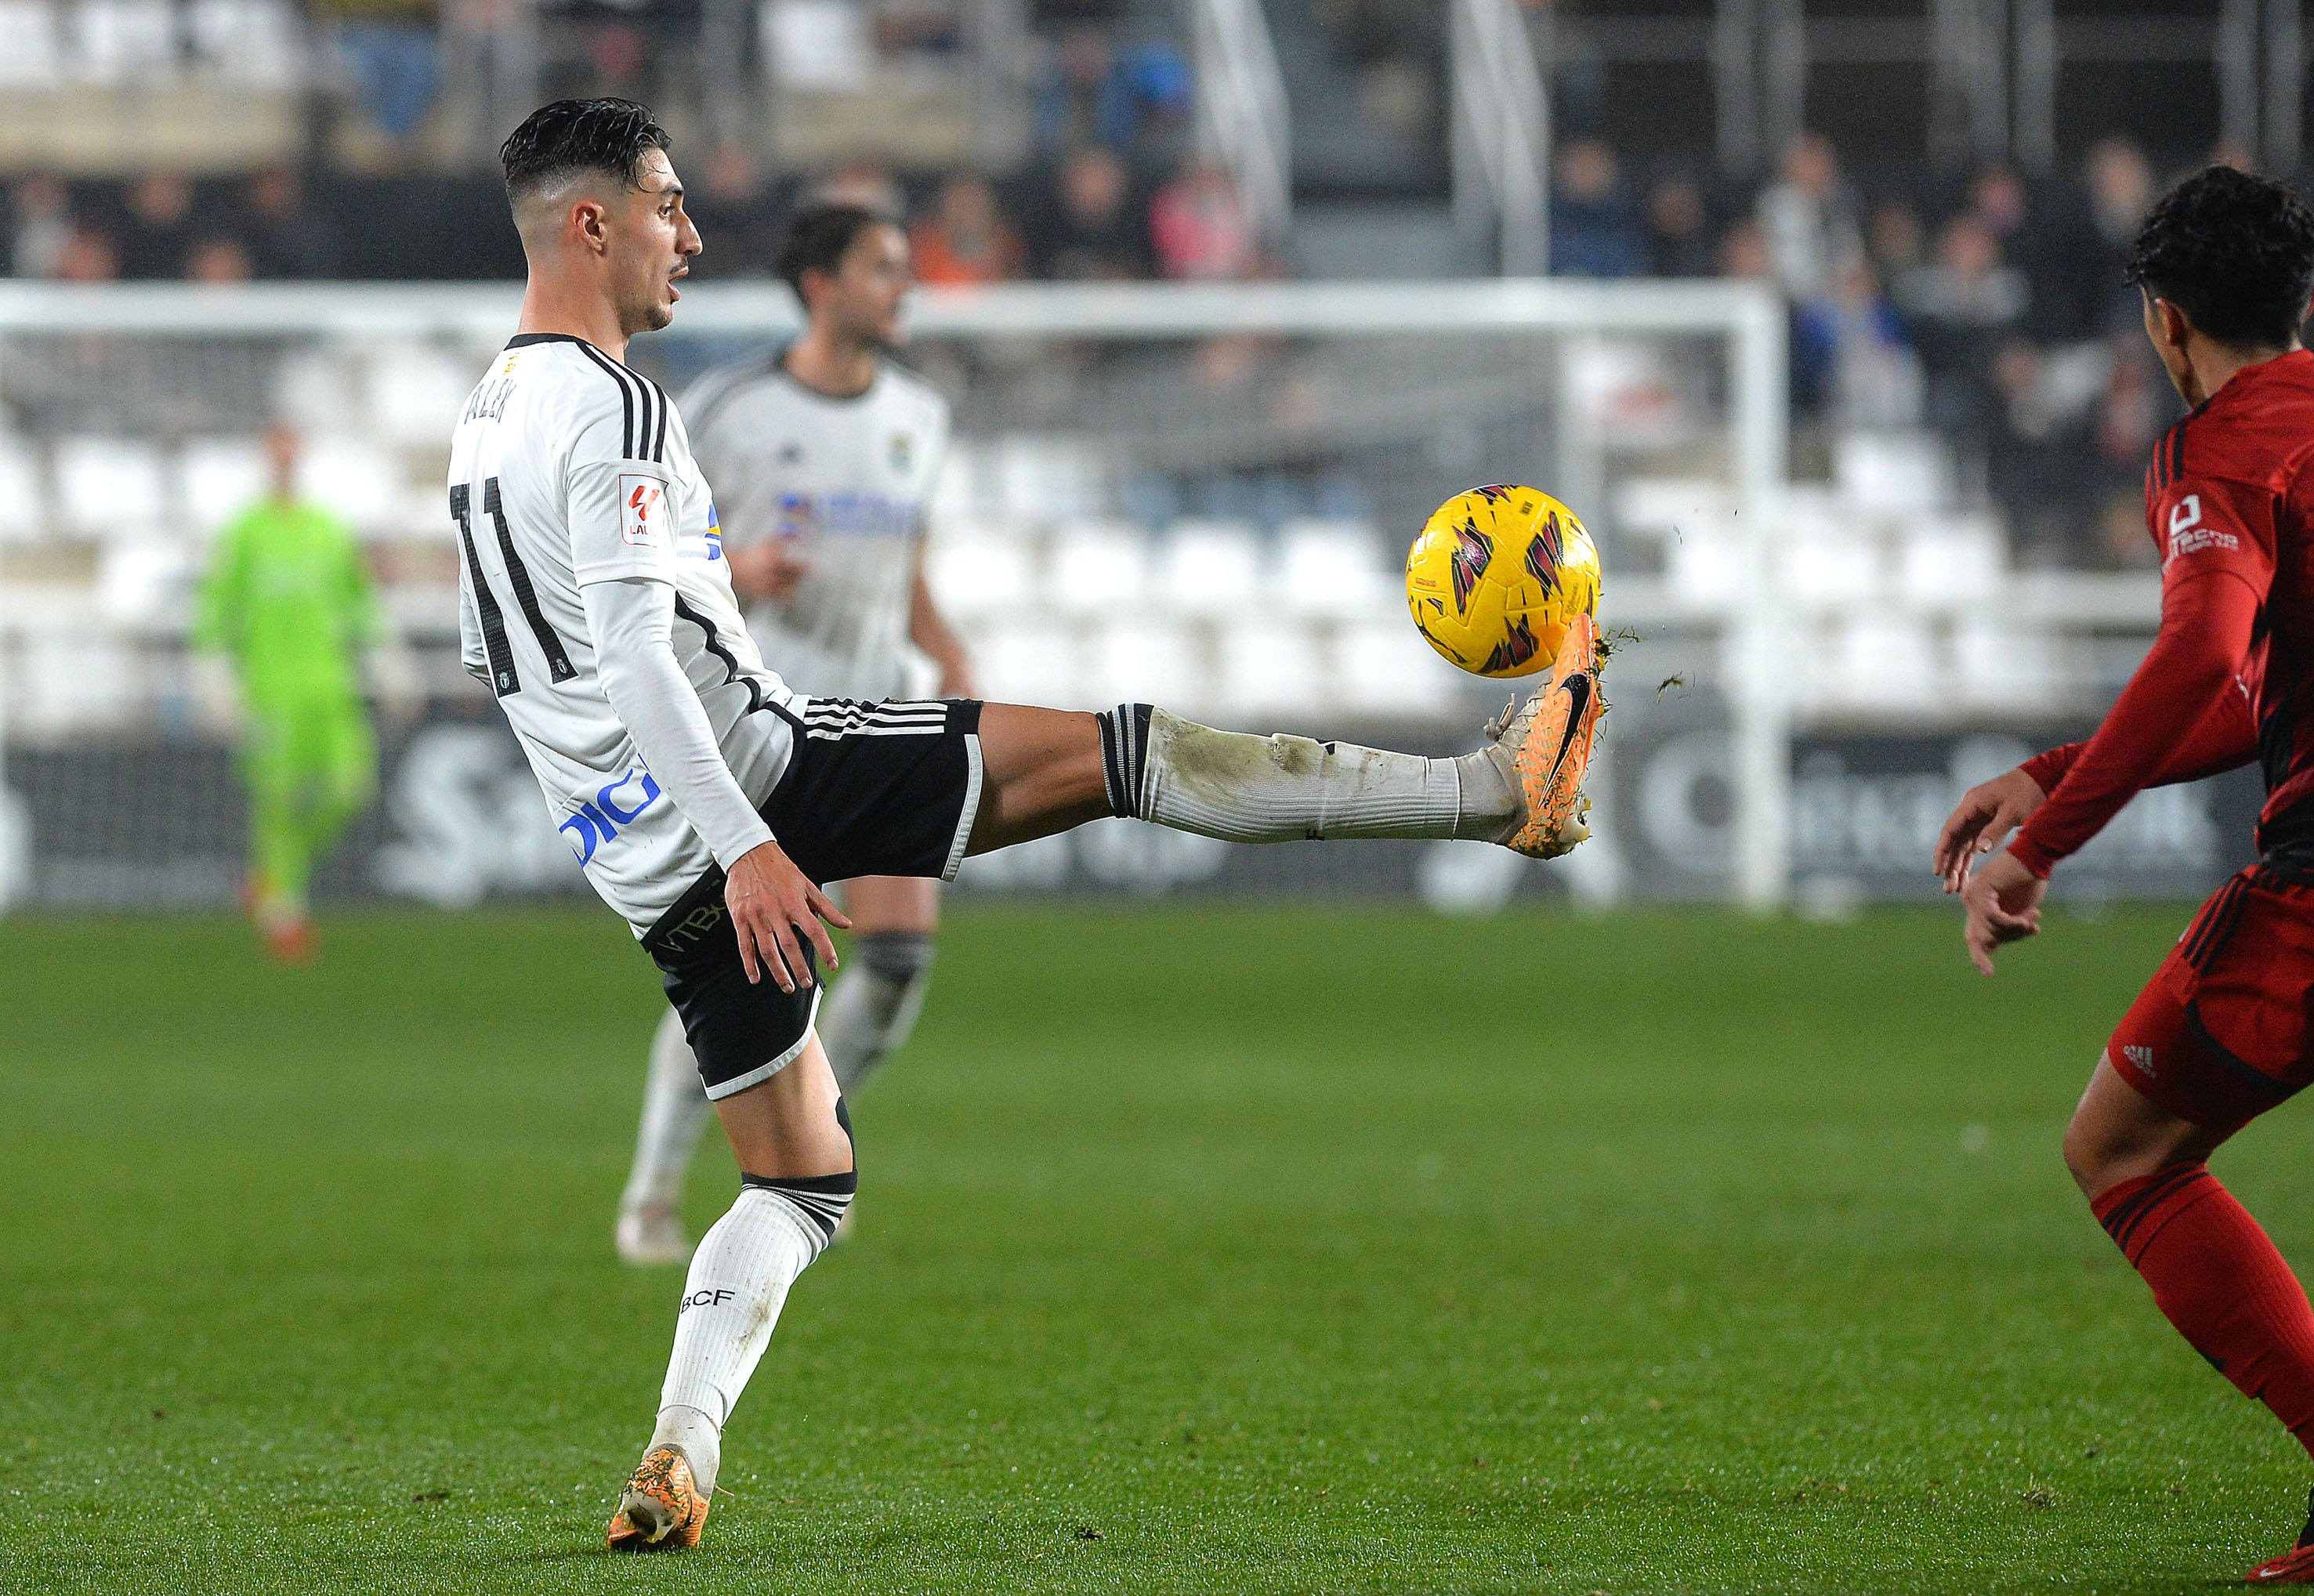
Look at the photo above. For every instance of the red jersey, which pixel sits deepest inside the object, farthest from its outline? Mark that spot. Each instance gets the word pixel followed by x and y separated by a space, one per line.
pixel 2230 503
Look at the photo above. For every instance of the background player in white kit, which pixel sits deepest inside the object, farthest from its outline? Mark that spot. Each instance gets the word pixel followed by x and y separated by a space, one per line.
pixel 824 455
pixel 708 802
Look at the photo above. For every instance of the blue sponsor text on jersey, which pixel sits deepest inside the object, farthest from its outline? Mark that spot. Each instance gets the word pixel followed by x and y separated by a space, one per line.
pixel 618 803
pixel 846 514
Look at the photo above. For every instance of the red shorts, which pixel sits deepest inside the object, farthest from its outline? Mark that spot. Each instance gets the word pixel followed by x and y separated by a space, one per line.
pixel 2225 1029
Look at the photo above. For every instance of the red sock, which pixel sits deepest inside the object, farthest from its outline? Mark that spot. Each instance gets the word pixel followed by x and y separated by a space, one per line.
pixel 2221 1282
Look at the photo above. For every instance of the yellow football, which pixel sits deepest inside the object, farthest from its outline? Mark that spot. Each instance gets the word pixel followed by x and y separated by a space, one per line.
pixel 1496 577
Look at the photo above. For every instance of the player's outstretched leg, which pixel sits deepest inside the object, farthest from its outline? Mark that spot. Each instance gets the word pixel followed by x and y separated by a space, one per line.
pixel 1523 788
pixel 794 1150
pixel 2215 1274
pixel 873 1007
pixel 674 1111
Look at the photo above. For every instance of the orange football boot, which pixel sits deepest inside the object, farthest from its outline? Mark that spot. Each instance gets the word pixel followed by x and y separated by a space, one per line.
pixel 1552 751
pixel 662 1510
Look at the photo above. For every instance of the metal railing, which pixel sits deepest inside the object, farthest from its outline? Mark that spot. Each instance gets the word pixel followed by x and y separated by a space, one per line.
pixel 1241 110
pixel 1995 64
pixel 1502 135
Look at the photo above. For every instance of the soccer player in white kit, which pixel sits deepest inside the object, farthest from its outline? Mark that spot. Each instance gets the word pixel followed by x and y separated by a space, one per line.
pixel 824 455
pixel 708 802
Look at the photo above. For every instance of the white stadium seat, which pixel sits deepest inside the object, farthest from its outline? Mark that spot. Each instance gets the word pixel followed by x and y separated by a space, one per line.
pixel 415 393
pixel 117 41
pixel 316 386
pixel 1028 660
pixel 1268 666
pixel 1893 473
pixel 816 44
pixel 30 55
pixel 71 682
pixel 1209 568
pixel 1882 661
pixel 109 486
pixel 1831 571
pixel 977 575
pixel 1098 569
pixel 1142 661
pixel 1045 479
pixel 1665 505
pixel 1951 563
pixel 254 42
pixel 221 478
pixel 1335 569
pixel 139 580
pixel 1385 668
pixel 2002 663
pixel 24 507
pixel 356 480
pixel 1712 562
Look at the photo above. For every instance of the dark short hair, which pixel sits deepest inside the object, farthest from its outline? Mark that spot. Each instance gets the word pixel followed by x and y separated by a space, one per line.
pixel 819 236
pixel 2235 252
pixel 559 141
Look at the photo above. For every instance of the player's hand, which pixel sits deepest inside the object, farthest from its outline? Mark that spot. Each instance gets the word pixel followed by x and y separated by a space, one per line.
pixel 770 902
pixel 1987 813
pixel 771 568
pixel 2004 905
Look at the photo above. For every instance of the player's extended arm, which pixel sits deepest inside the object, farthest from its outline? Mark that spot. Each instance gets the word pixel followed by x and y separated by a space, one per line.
pixel 2161 723
pixel 2225 740
pixel 631 622
pixel 1987 813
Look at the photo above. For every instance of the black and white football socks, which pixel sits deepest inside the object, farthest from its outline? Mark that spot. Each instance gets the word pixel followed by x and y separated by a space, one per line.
pixel 731 1300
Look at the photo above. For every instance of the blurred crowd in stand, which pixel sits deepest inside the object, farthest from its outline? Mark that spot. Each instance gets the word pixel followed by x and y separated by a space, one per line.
pixel 1986 307
pixel 1113 191
pixel 1989 308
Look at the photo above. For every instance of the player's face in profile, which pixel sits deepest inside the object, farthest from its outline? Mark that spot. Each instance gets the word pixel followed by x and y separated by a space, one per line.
pixel 656 242
pixel 870 282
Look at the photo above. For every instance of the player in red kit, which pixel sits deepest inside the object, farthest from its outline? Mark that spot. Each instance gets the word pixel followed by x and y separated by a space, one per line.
pixel 2221 1034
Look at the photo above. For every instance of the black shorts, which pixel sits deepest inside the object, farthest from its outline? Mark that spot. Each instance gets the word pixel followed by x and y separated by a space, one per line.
pixel 871 790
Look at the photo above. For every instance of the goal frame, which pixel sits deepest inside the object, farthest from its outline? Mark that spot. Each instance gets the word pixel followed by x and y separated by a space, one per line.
pixel 1747 315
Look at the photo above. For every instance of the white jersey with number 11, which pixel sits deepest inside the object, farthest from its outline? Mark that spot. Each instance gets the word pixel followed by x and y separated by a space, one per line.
pixel 568 469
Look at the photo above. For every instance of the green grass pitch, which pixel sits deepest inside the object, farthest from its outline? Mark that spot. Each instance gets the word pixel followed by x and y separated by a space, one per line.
pixel 1200 1250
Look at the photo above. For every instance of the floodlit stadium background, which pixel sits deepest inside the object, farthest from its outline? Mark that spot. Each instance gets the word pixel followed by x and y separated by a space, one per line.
pixel 1816 318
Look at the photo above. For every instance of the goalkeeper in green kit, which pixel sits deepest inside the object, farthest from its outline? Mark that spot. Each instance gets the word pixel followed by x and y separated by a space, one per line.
pixel 287 602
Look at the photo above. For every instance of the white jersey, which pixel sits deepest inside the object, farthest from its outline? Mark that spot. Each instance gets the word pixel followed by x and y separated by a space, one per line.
pixel 568 469
pixel 847 478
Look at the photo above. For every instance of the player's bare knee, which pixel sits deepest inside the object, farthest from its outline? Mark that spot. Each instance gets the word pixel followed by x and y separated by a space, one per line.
pixel 2089 1157
pixel 2101 1154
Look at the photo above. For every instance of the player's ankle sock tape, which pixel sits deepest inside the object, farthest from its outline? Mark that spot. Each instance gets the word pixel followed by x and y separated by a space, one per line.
pixel 2218 1277
pixel 1124 756
pixel 819 1198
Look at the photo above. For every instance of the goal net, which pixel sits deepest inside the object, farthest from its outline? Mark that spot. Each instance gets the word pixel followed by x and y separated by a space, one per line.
pixel 1197 496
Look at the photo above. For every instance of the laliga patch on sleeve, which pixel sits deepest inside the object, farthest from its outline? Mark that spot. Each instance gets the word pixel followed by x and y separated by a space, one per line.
pixel 642 511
